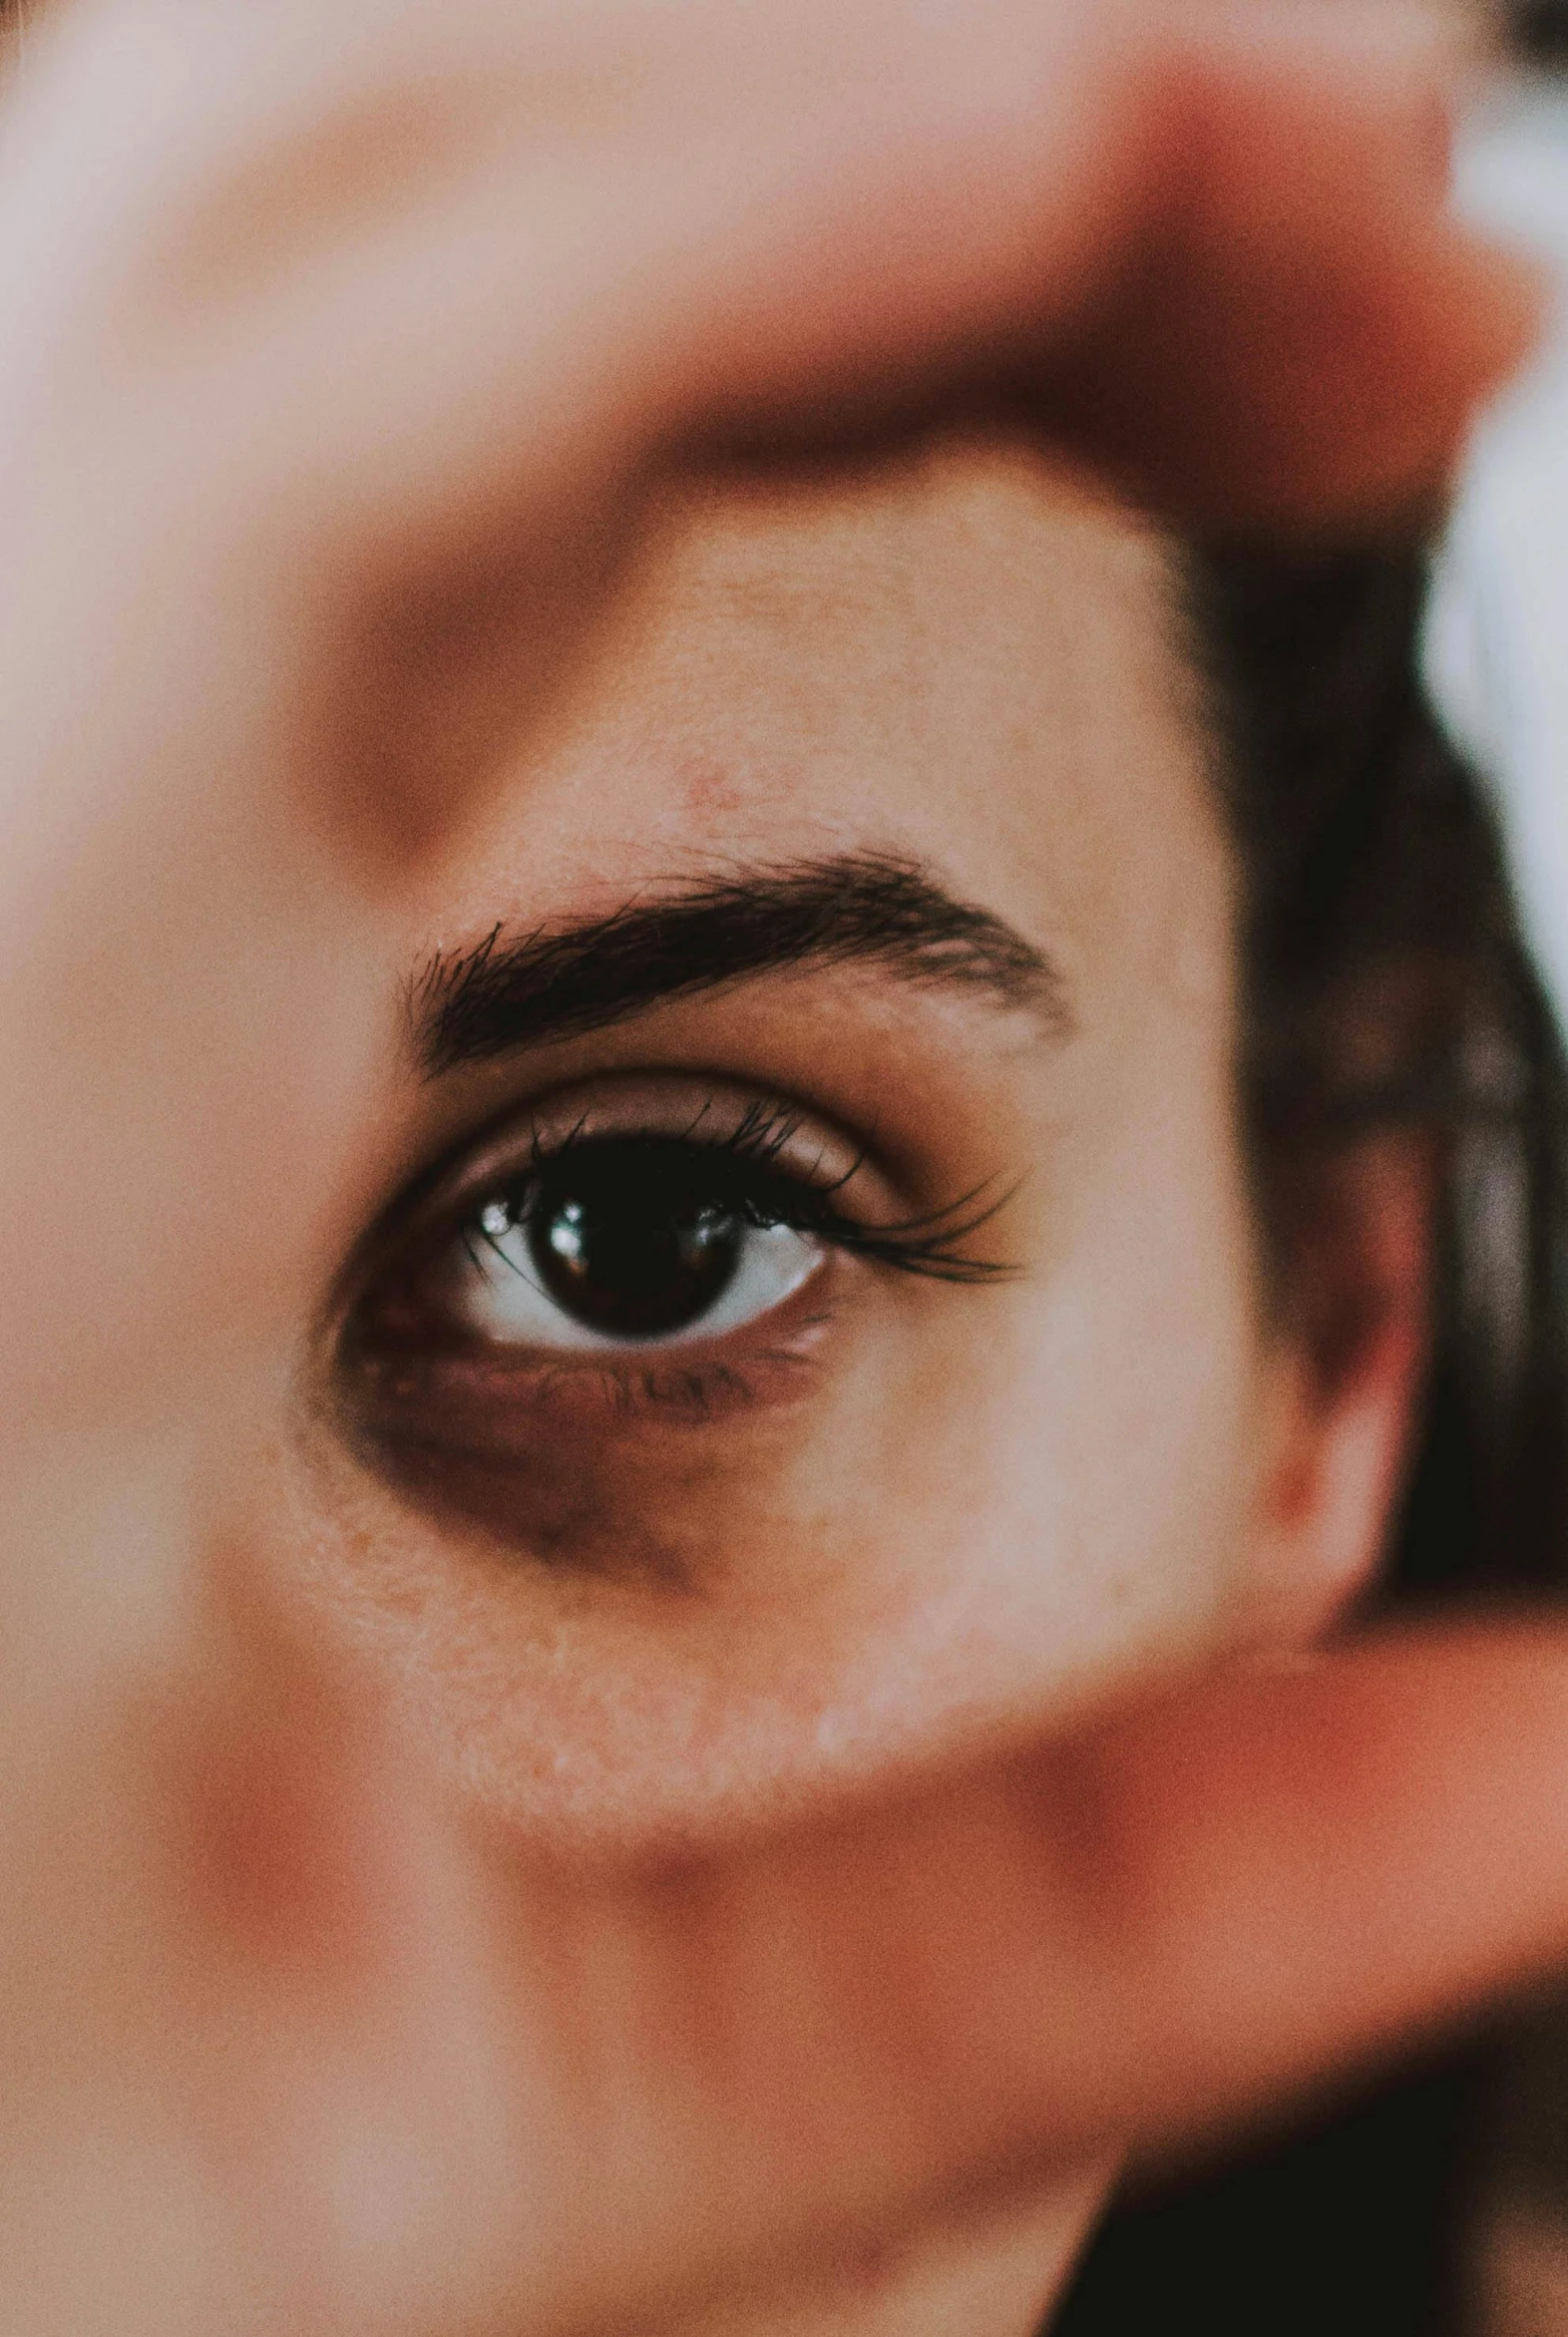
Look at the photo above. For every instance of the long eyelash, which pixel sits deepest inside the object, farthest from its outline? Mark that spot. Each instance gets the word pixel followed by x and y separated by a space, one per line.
pixel 930 1245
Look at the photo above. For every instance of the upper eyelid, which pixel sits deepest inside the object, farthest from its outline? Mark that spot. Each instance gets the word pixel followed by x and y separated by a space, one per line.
pixel 927 1244
pixel 471 1167
pixel 763 1156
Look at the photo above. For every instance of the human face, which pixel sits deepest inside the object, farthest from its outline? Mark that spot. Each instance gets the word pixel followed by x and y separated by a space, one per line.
pixel 926 1400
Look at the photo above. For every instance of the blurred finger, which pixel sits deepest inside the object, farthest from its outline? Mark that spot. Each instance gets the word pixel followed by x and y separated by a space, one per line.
pixel 1154 1931
pixel 1306 336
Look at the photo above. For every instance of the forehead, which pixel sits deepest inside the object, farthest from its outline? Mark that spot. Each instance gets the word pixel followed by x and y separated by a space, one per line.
pixel 969 659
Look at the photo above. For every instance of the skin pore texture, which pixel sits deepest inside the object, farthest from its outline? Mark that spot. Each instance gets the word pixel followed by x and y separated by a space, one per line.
pixel 660 1593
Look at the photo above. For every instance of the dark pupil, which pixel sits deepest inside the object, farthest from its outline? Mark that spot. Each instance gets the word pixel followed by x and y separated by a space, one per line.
pixel 632 1242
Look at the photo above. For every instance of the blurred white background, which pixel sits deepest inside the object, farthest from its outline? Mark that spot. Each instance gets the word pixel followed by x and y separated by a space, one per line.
pixel 1498 641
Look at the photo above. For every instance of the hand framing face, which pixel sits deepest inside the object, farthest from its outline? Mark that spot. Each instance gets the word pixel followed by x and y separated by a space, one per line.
pixel 342 356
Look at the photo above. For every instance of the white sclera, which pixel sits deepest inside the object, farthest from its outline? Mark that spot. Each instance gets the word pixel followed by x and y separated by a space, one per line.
pixel 498 1295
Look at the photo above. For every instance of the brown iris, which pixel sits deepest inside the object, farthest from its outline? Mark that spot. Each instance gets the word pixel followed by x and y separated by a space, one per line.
pixel 631 1238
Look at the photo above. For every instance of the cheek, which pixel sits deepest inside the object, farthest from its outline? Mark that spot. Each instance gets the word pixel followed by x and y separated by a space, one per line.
pixel 1133 1479
pixel 1068 1496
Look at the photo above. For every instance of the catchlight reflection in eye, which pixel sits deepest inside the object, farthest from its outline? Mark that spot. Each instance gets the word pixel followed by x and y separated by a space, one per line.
pixel 620 1244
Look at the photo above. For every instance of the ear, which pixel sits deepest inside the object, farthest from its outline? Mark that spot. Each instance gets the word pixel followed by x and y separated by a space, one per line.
pixel 1343 1382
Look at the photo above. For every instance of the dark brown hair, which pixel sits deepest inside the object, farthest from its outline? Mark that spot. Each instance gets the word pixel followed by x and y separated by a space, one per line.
pixel 1387 986
pixel 1542 29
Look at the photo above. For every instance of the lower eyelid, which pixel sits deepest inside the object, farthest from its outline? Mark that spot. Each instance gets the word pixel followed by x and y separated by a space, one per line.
pixel 591 1479
pixel 501 1404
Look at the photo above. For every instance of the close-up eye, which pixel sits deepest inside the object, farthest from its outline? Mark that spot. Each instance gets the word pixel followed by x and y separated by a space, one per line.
pixel 630 1239
pixel 590 1233
pixel 641 1249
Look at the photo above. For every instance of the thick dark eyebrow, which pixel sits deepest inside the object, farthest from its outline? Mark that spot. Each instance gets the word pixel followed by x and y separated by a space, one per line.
pixel 867 908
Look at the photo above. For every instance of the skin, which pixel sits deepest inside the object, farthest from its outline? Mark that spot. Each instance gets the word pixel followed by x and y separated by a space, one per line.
pixel 320 466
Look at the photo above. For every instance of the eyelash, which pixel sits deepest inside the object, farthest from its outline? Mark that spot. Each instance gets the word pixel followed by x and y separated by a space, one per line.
pixel 745 1162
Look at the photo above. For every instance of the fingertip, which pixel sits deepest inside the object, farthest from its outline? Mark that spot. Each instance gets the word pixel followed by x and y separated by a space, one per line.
pixel 1305 339
pixel 1323 394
